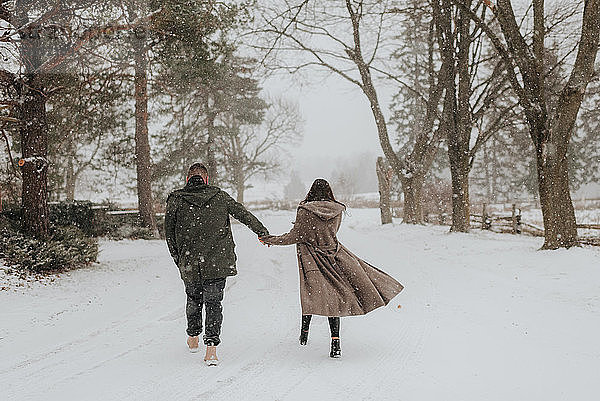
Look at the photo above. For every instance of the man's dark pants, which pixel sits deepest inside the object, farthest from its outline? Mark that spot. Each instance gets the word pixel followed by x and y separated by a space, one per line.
pixel 210 294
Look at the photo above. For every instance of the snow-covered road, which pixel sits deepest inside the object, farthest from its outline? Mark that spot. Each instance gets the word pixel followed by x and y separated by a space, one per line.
pixel 483 317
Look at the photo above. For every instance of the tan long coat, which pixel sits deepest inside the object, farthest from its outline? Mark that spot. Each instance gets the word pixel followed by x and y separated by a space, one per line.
pixel 333 281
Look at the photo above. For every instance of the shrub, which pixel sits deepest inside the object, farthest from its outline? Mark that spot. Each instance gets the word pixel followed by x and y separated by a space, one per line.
pixel 67 248
pixel 128 231
pixel 77 213
pixel 93 219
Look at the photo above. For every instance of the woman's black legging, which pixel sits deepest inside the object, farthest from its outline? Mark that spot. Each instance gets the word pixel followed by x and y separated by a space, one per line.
pixel 334 324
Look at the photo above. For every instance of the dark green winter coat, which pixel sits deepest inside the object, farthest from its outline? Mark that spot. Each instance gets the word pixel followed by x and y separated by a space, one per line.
pixel 198 230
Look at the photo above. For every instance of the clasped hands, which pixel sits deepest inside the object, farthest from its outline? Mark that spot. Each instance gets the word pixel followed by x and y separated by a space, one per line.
pixel 262 240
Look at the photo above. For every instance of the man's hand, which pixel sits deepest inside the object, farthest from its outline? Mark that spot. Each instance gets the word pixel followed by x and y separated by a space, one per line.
pixel 262 240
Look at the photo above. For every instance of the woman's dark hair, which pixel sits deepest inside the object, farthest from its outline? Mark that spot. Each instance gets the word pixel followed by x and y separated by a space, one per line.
pixel 320 191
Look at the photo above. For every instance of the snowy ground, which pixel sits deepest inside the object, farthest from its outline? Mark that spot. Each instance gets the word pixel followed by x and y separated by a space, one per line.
pixel 483 317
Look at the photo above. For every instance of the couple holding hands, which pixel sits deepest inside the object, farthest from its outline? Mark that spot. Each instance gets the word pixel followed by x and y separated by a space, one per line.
pixel 333 281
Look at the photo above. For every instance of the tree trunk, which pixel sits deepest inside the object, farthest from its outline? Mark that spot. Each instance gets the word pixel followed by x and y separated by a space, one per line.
pixel 560 227
pixel 412 187
pixel 238 181
pixel 458 155
pixel 240 193
pixel 457 110
pixel 211 160
pixel 33 132
pixel 34 145
pixel 370 92
pixel 460 192
pixel 142 145
pixel 384 178
pixel 425 147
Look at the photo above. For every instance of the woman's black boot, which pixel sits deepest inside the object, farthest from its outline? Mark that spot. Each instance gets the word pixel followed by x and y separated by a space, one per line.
pixel 336 350
pixel 334 327
pixel 304 329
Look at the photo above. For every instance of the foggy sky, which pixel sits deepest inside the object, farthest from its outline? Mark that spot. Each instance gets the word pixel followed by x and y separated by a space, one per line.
pixel 338 118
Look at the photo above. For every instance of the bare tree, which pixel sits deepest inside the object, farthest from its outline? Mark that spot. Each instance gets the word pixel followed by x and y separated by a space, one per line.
pixel 416 111
pixel 454 35
pixel 550 129
pixel 474 100
pixel 249 150
pixel 351 40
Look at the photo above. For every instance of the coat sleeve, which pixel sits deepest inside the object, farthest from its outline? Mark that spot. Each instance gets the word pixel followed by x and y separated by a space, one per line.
pixel 242 215
pixel 295 235
pixel 171 227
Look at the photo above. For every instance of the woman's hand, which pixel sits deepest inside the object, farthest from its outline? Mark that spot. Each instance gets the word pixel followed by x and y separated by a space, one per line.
pixel 263 238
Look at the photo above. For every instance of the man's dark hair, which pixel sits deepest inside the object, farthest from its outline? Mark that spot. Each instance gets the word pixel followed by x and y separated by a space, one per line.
pixel 197 169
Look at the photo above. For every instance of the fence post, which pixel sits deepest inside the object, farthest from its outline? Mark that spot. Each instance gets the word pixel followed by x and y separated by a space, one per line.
pixel 514 218
pixel 484 217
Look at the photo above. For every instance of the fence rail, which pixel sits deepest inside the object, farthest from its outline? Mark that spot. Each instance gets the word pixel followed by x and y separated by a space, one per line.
pixel 514 224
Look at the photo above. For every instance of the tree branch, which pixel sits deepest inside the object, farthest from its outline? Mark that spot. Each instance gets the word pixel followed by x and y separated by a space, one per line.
pixel 284 31
pixel 502 51
pixel 10 157
pixel 88 35
pixel 316 54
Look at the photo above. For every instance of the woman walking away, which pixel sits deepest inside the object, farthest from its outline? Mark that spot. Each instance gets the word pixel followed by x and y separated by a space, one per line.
pixel 333 281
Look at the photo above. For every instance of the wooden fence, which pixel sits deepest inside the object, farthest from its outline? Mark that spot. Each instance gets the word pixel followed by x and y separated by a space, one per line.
pixel 497 221
pixel 514 224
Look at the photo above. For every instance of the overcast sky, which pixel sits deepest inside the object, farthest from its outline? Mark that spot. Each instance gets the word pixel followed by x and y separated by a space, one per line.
pixel 338 117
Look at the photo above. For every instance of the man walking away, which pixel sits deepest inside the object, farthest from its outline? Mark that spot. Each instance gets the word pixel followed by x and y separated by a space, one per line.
pixel 198 232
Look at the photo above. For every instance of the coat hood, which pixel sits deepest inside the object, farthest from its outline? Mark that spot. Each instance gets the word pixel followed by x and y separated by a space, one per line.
pixel 196 193
pixel 325 210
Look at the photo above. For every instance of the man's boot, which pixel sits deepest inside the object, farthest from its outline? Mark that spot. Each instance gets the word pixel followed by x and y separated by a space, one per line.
pixel 210 359
pixel 192 343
